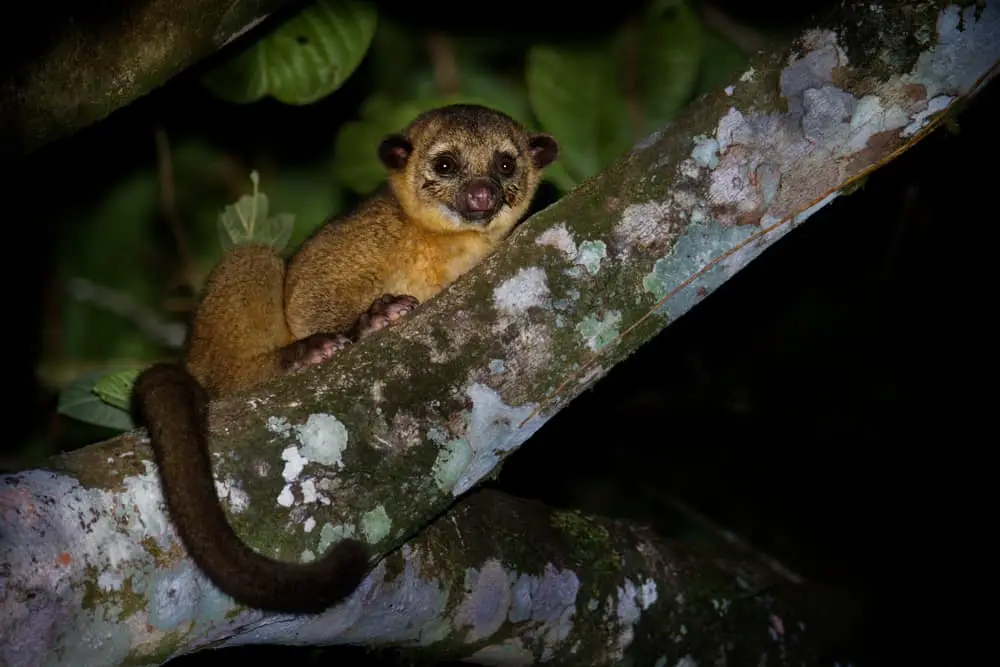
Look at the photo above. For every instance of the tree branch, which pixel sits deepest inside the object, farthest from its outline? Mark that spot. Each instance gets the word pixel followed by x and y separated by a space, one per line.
pixel 98 61
pixel 496 580
pixel 380 440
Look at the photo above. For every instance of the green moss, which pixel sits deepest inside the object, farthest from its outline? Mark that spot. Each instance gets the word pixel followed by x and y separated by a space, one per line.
pixel 591 542
pixel 160 557
pixel 92 594
pixel 157 653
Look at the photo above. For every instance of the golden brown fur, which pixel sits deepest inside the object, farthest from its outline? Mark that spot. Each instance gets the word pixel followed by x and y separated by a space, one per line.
pixel 460 178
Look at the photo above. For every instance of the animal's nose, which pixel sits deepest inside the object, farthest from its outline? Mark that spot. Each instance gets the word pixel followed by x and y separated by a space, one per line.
pixel 481 197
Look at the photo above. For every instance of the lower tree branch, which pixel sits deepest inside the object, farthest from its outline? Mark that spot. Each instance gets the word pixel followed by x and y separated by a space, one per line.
pixel 496 580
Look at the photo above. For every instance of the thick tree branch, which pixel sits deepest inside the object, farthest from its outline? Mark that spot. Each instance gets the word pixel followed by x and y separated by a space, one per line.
pixel 496 581
pixel 388 434
pixel 92 61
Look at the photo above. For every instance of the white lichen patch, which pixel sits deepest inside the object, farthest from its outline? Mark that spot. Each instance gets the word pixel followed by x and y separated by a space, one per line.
pixel 408 607
pixel 531 336
pixel 647 594
pixel 309 524
pixel 330 534
pixel 640 225
pixel 775 164
pixel 705 152
pixel 487 599
pixel 285 497
pixel 174 597
pixel 497 366
pixel 695 249
pixel 308 487
pixel 966 48
pixel 528 288
pixel 324 439
pixel 110 581
pixel 452 460
pixel 590 255
pixel 920 119
pixel 632 601
pixel 375 524
pixel 294 463
pixel 491 429
pixel 75 540
pixel 870 116
pixel 598 332
pixel 229 490
pixel 560 238
pixel 278 425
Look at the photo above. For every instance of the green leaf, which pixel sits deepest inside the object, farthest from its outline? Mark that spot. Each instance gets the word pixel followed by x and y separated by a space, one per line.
pixel 600 98
pixel 306 58
pixel 670 53
pixel 115 389
pixel 722 61
pixel 79 401
pixel 397 60
pixel 483 85
pixel 575 95
pixel 106 247
pixel 247 221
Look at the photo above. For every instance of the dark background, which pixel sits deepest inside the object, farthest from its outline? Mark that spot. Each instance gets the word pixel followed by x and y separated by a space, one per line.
pixel 824 404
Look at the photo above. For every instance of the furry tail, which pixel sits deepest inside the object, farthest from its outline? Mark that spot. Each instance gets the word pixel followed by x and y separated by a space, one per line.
pixel 174 406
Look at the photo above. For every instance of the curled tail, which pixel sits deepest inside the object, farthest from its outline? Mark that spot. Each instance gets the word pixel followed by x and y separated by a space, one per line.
pixel 173 406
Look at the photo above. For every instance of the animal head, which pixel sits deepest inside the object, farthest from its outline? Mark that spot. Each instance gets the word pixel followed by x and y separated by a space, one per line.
pixel 466 168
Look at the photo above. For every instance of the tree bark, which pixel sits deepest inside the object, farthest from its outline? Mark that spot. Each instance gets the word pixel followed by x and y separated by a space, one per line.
pixel 384 437
pixel 73 65
pixel 496 581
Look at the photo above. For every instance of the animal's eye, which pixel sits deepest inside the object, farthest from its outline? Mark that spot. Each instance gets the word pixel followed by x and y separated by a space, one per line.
pixel 444 165
pixel 505 164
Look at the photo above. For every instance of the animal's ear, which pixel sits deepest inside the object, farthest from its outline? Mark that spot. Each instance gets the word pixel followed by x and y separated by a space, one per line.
pixel 394 151
pixel 544 149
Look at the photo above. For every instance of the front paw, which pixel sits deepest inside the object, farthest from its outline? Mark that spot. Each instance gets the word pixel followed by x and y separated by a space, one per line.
pixel 311 350
pixel 384 312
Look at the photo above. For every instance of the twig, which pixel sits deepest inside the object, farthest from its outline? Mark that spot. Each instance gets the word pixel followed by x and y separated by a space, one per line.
pixel 632 99
pixel 167 333
pixel 168 202
pixel 744 37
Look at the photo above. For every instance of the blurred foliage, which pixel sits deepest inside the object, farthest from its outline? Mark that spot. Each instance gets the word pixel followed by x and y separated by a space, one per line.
pixel 247 221
pixel 304 59
pixel 162 224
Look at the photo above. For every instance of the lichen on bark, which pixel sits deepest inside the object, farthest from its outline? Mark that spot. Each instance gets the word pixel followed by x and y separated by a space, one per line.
pixel 420 414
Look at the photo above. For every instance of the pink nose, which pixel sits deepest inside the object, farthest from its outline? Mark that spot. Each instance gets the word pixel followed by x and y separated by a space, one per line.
pixel 481 198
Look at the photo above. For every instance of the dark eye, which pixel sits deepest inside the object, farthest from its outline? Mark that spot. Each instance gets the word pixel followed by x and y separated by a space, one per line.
pixel 444 165
pixel 505 164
